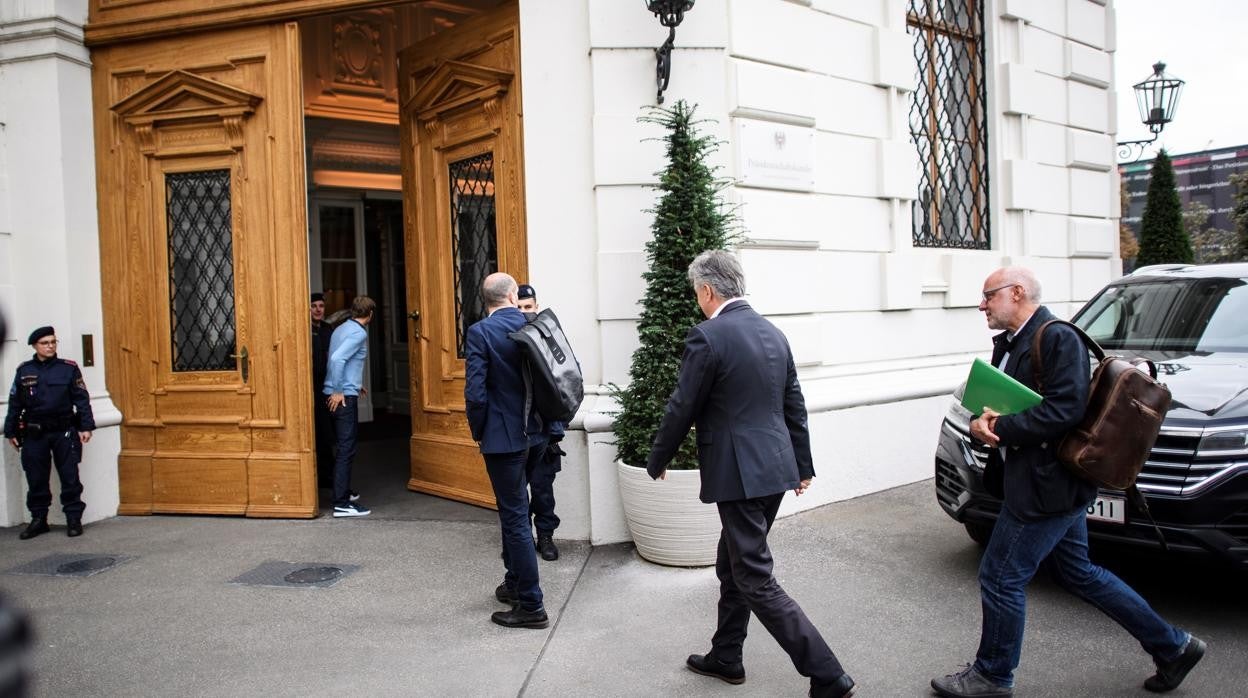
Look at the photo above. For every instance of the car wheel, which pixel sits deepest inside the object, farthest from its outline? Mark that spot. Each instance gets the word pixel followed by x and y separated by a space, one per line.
pixel 980 533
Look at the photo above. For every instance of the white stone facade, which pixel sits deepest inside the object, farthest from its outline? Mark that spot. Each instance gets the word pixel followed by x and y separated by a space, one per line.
pixel 49 240
pixel 882 331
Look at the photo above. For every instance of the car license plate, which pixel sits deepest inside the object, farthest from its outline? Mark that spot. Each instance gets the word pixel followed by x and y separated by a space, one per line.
pixel 1108 508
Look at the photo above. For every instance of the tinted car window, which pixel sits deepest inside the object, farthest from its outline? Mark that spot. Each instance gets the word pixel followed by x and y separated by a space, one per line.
pixel 1190 315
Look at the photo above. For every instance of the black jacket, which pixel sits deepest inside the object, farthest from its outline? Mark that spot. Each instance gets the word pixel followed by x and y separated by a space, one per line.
pixel 1036 485
pixel 738 383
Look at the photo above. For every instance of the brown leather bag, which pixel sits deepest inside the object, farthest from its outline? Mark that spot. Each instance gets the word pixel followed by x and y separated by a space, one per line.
pixel 1124 414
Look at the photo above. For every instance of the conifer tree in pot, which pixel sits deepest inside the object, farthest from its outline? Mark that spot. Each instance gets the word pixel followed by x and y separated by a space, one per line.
pixel 689 218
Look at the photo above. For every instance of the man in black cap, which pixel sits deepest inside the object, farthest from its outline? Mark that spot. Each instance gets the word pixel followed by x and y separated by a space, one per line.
pixel 541 471
pixel 49 419
pixel 322 423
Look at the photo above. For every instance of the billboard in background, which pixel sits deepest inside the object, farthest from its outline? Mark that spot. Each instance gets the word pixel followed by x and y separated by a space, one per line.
pixel 1203 177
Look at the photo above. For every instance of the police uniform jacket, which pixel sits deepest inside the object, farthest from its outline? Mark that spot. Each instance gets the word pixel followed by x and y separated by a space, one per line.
pixel 53 395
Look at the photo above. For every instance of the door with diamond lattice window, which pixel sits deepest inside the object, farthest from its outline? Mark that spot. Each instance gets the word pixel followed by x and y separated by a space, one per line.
pixel 203 245
pixel 464 219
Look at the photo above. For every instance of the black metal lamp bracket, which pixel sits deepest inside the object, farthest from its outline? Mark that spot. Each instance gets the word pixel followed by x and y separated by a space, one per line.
pixel 1125 148
pixel 663 58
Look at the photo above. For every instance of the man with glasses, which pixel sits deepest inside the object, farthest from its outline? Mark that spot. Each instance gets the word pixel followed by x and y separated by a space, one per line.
pixel 49 419
pixel 1044 505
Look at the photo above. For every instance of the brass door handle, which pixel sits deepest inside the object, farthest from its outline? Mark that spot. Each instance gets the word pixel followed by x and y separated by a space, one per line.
pixel 242 357
pixel 414 315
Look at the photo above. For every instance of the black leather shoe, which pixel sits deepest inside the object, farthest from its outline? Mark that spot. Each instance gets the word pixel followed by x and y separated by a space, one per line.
pixel 1170 674
pixel 74 529
pixel 709 666
pixel 37 525
pixel 840 688
pixel 506 594
pixel 546 546
pixel 519 618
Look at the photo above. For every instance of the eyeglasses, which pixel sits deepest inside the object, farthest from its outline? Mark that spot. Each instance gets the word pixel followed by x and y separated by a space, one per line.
pixel 47 342
pixel 993 291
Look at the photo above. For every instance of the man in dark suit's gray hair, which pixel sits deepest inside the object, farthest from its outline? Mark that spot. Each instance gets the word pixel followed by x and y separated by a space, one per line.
pixel 739 386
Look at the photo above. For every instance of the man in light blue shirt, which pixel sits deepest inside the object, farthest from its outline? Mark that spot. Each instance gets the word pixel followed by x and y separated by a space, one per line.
pixel 344 376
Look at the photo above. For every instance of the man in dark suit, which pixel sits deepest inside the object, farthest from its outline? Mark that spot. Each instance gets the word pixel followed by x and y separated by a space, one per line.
pixel 739 386
pixel 494 398
pixel 1044 514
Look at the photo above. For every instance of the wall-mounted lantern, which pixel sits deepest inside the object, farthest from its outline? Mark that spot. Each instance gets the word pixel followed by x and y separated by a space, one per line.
pixel 1157 97
pixel 670 14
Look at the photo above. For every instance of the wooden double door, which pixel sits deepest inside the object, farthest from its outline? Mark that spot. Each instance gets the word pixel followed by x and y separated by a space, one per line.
pixel 204 251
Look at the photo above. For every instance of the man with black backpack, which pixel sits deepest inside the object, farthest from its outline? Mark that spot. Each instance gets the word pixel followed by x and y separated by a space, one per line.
pixel 509 435
pixel 1044 509
pixel 542 471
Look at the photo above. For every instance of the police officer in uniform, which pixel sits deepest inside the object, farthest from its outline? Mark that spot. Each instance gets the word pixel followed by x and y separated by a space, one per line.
pixel 49 419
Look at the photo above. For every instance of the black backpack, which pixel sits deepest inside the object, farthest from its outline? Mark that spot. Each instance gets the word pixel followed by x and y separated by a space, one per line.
pixel 552 375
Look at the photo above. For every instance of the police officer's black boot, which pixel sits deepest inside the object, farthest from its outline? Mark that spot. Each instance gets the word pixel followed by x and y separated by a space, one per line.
pixel 37 525
pixel 546 546
pixel 74 528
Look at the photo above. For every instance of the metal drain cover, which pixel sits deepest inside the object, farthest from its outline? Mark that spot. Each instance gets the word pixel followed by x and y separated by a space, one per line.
pixel 313 575
pixel 86 565
pixel 70 565
pixel 295 575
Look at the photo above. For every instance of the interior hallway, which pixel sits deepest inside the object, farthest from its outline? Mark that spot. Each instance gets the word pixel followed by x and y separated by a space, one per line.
pixel 380 475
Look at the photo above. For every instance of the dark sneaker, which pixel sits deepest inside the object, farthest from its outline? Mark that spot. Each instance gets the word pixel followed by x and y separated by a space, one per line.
pixel 506 594
pixel 546 547
pixel 351 509
pixel 37 526
pixel 74 528
pixel 967 683
pixel 519 618
pixel 709 666
pixel 843 687
pixel 1170 674
pixel 353 496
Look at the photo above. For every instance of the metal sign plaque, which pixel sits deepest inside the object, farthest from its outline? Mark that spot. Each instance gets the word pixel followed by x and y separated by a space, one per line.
pixel 775 156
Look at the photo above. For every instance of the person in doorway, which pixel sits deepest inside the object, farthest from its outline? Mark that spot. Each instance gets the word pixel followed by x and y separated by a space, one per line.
pixel 1044 513
pixel 739 385
pixel 344 378
pixel 541 471
pixel 49 419
pixel 494 398
pixel 322 423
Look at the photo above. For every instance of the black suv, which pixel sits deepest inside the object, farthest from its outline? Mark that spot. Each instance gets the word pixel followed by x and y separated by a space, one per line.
pixel 1192 321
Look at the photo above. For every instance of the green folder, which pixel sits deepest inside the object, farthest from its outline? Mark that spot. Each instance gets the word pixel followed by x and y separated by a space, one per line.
pixel 988 386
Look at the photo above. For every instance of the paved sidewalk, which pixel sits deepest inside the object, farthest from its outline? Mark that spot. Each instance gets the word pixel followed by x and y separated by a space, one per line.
pixel 887 578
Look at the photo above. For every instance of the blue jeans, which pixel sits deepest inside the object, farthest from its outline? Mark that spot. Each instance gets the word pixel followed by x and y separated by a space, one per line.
pixel 346 425
pixel 1015 551
pixel 511 491
pixel 540 471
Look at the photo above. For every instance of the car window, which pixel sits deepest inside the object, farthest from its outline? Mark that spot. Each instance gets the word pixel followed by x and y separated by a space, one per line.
pixel 1201 315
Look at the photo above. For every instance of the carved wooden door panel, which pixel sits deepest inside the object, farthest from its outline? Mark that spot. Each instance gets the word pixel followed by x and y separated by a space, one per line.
pixel 203 242
pixel 460 124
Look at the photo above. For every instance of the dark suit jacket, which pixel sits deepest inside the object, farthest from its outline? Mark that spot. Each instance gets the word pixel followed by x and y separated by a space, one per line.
pixel 1036 484
pixel 494 386
pixel 738 383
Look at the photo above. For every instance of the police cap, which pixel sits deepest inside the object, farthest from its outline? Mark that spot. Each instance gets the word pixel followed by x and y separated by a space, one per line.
pixel 45 331
pixel 526 291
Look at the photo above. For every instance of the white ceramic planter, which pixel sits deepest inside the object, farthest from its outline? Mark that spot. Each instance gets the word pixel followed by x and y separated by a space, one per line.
pixel 669 524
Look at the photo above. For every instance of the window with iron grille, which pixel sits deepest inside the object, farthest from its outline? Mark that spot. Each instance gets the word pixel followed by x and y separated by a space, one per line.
pixel 474 247
pixel 201 270
pixel 949 124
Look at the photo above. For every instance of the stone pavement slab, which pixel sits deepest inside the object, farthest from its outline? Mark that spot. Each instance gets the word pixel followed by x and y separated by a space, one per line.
pixel 888 578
